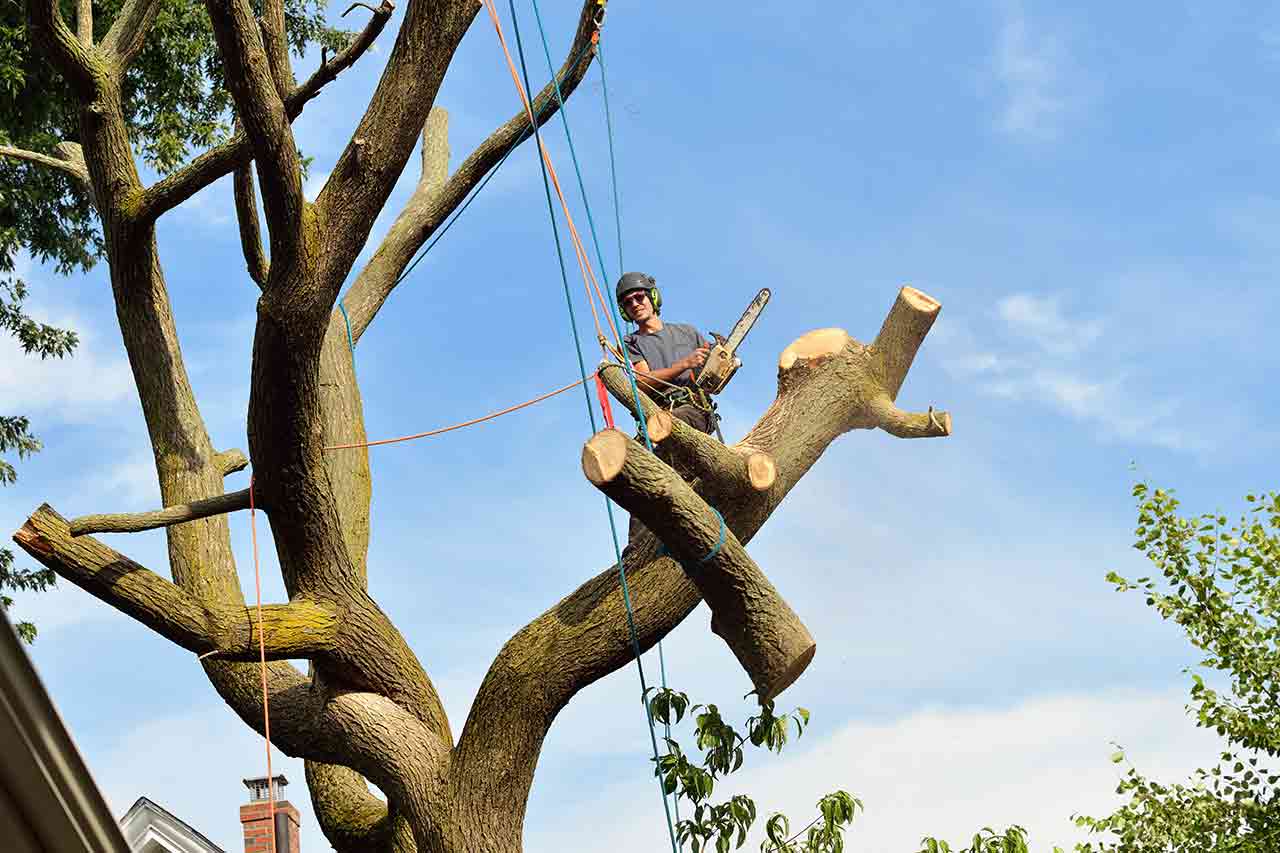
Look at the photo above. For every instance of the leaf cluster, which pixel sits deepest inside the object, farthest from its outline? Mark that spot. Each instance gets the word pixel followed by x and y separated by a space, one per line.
pixel 985 840
pixel 721 745
pixel 1220 583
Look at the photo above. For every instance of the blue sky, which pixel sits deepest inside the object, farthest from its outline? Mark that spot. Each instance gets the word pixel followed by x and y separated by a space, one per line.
pixel 1090 192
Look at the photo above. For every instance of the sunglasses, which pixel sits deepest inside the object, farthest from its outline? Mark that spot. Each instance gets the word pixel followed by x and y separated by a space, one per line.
pixel 637 297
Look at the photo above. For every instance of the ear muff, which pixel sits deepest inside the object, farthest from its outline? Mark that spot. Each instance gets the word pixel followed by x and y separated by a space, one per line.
pixel 655 299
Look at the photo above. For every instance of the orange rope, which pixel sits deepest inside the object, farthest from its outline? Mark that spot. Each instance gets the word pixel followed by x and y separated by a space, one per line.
pixel 471 422
pixel 584 262
pixel 262 650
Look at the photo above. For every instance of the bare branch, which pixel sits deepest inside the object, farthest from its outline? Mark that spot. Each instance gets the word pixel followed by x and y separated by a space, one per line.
pixel 84 22
pixel 427 211
pixel 247 218
pixel 275 41
pixel 331 68
pixel 166 194
pixel 133 522
pixel 76 170
pixel 49 32
pixel 299 629
pixel 128 32
pixel 261 110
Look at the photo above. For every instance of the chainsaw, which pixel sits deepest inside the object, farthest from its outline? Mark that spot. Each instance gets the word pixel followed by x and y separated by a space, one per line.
pixel 722 360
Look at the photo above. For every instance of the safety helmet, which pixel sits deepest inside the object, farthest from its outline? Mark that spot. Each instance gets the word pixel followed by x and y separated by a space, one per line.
pixel 638 281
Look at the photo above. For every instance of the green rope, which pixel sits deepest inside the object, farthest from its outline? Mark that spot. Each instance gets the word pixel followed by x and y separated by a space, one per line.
pixel 626 596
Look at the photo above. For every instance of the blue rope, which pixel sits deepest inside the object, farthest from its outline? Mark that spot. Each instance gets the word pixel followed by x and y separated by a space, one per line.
pixel 595 240
pixel 555 232
pixel 626 595
pixel 663 550
pixel 350 342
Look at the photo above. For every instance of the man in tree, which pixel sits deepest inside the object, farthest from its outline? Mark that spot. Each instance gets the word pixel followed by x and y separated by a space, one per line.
pixel 665 355
pixel 364 708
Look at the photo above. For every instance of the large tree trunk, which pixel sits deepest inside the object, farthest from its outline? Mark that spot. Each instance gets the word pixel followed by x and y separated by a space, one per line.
pixel 366 709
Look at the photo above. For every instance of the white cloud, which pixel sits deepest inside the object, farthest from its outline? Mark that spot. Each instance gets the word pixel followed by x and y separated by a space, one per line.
pixel 1098 390
pixel 77 388
pixel 944 772
pixel 1032 69
pixel 1040 319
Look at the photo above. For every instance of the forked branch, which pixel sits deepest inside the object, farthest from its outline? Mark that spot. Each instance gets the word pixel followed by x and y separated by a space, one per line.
pixel 166 194
pixel 432 205
pixel 128 32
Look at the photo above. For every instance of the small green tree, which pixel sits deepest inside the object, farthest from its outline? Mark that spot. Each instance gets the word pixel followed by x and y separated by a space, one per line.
pixel 721 749
pixel 1221 583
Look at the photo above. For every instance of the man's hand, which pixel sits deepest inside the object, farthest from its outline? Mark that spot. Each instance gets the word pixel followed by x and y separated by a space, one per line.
pixel 695 359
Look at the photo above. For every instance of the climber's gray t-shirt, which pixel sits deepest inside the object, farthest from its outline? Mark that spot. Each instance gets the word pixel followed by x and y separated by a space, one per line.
pixel 665 347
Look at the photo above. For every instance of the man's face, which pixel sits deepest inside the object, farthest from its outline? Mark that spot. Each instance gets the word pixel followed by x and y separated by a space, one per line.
pixel 637 305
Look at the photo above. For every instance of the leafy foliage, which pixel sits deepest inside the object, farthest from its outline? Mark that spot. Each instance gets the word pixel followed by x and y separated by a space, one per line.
pixel 986 840
pixel 15 436
pixel 721 745
pixel 1221 584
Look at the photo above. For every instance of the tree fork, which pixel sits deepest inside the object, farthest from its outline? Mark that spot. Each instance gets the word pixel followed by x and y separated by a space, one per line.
pixel 761 629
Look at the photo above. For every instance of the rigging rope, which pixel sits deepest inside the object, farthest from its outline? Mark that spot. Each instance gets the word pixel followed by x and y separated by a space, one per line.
pixel 584 264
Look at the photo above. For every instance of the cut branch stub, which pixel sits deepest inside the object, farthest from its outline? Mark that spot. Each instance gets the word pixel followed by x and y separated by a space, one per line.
pixel 749 614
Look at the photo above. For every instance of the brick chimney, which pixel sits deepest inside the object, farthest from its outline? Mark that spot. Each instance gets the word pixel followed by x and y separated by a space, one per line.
pixel 255 817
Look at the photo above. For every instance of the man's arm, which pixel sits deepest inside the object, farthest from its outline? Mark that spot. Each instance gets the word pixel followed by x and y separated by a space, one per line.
pixel 653 379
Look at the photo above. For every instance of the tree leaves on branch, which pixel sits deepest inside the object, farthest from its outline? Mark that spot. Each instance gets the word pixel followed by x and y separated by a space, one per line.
pixel 1220 583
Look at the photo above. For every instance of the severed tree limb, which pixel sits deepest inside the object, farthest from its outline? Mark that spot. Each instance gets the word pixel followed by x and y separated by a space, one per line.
pixel 128 32
pixel 246 200
pixel 763 632
pixel 261 110
pixel 720 468
pixel 168 193
pixel 230 461
pixel 424 214
pixel 299 629
pixel 134 522
pixel 909 320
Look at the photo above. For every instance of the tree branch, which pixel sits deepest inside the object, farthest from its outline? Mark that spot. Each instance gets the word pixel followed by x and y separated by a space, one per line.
pixel 84 22
pixel 299 629
pixel 275 42
pixel 246 199
pixel 166 194
pixel 49 32
pixel 432 204
pixel 720 469
pixel 75 169
pixel 352 818
pixel 128 32
pixel 261 110
pixel 331 68
pixel 134 522
pixel 230 461
pixel 763 632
